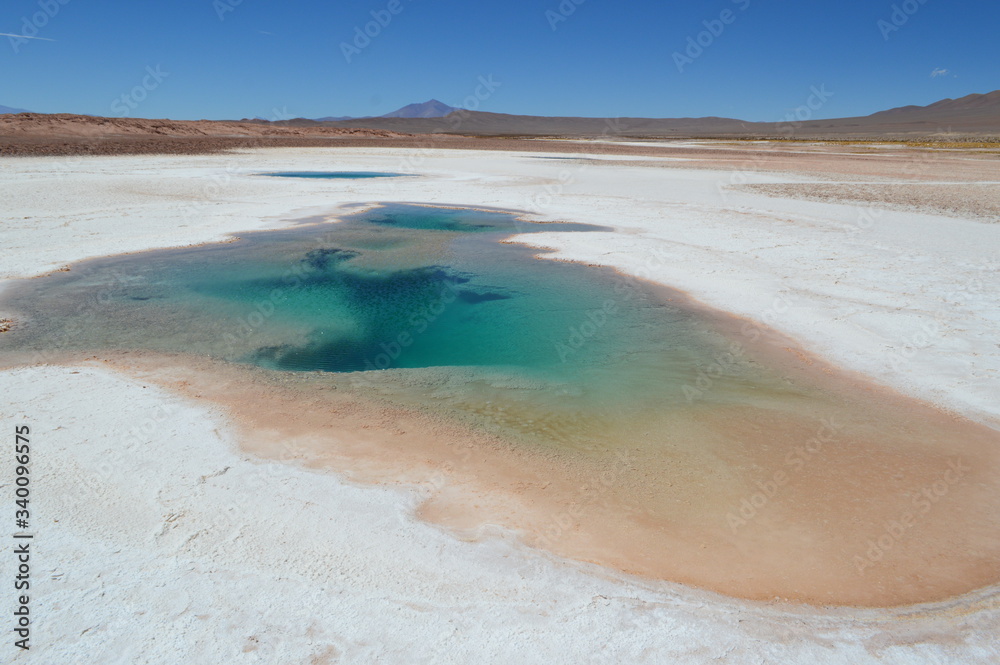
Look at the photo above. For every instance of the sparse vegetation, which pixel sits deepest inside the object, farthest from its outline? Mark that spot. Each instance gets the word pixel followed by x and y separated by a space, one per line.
pixel 989 142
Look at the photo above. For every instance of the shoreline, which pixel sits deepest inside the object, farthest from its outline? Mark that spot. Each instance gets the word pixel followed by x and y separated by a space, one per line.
pixel 520 497
pixel 434 486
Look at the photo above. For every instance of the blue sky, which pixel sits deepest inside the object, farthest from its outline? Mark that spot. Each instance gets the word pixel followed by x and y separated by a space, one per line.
pixel 243 58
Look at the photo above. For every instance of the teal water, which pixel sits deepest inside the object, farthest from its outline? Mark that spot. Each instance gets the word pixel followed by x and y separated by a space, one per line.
pixel 407 296
pixel 334 175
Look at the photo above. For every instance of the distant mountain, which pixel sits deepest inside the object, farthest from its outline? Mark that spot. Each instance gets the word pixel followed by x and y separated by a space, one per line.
pixel 970 105
pixel 500 124
pixel 977 114
pixel 430 109
pixel 7 109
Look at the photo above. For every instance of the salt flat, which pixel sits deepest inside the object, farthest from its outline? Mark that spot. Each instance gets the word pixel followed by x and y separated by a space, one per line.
pixel 178 545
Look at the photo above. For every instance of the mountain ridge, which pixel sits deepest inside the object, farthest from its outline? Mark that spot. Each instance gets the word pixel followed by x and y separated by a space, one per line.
pixel 975 115
pixel 972 114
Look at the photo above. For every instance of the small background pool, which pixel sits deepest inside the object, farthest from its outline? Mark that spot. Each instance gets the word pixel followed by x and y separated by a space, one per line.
pixel 334 175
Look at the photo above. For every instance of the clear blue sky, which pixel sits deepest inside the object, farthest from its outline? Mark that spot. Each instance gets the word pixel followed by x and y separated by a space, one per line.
pixel 606 59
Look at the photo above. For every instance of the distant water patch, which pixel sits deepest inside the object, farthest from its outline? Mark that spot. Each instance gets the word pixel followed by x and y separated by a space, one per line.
pixel 334 175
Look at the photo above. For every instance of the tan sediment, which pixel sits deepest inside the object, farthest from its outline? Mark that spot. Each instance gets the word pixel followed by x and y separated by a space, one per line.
pixel 971 201
pixel 814 158
pixel 869 461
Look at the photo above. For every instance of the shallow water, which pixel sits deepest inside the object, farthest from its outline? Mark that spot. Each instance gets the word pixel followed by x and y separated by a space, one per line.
pixel 525 344
pixel 427 309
